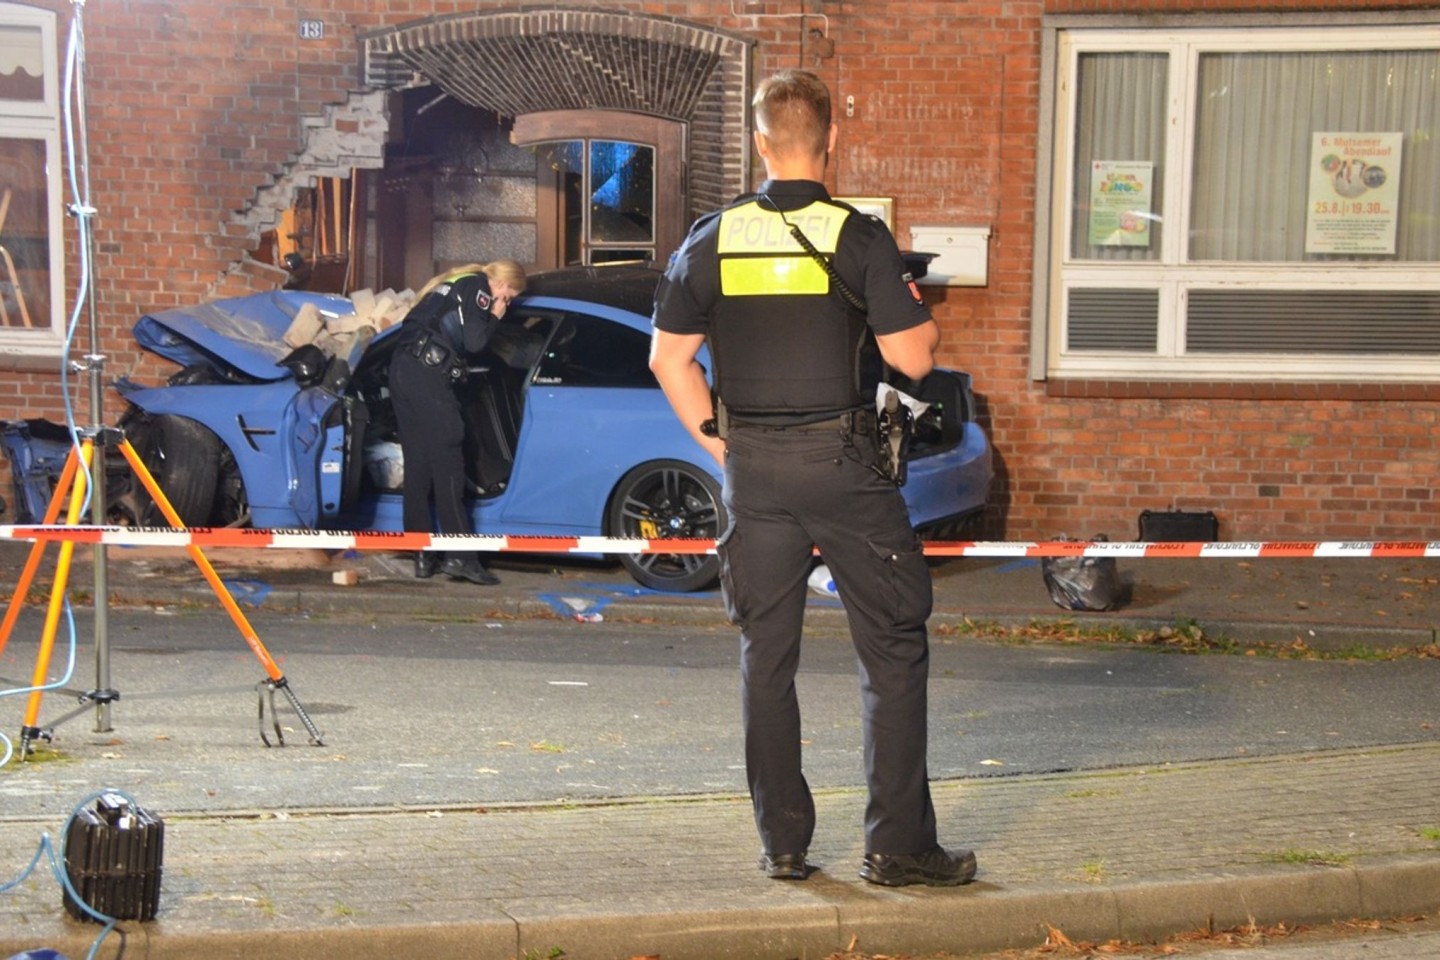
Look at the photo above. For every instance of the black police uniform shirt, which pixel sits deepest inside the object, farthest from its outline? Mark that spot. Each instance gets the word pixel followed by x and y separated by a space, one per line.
pixel 460 316
pixel 866 257
pixel 472 302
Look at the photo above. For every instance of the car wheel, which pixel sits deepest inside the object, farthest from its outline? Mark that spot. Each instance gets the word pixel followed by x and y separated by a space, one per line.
pixel 664 499
pixel 232 505
pixel 184 458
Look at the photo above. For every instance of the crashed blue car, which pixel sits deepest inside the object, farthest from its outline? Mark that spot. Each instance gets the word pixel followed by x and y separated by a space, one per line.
pixel 568 434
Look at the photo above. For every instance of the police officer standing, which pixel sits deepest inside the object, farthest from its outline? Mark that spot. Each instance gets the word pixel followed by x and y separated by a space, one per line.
pixel 452 320
pixel 795 293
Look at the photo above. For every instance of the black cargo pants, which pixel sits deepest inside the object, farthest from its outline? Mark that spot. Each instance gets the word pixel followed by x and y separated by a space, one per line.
pixel 432 441
pixel 788 491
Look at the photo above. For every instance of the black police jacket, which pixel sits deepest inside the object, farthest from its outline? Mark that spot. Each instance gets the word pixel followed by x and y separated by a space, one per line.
pixel 782 341
pixel 455 314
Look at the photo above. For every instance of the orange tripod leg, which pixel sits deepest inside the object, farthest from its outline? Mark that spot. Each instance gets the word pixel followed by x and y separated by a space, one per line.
pixel 211 577
pixel 30 730
pixel 37 549
pixel 277 678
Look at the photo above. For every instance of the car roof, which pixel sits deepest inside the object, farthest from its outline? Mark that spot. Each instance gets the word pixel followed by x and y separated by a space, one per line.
pixel 627 286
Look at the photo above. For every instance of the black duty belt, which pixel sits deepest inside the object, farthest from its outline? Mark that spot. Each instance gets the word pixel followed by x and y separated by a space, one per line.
pixel 858 421
pixel 428 349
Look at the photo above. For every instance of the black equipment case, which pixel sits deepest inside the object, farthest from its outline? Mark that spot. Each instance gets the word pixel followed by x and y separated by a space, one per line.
pixel 1177 526
pixel 113 856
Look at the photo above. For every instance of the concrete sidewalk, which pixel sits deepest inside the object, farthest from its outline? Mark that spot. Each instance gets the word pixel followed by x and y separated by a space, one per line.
pixel 1132 853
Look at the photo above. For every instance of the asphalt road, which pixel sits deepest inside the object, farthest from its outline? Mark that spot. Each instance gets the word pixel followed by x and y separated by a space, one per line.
pixel 491 712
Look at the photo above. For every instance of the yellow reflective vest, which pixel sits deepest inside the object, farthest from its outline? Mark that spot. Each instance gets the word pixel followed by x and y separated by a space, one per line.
pixel 760 257
pixel 781 342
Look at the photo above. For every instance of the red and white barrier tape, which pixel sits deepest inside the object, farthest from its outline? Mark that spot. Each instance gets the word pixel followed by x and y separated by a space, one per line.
pixel 376 540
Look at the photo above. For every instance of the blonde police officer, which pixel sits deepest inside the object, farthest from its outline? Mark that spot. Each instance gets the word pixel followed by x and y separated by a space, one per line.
pixel 451 321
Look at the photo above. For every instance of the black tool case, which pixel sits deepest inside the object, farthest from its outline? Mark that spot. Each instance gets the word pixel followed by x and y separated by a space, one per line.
pixel 1175 526
pixel 113 856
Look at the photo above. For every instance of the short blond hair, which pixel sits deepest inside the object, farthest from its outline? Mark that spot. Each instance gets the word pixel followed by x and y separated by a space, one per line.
pixel 792 110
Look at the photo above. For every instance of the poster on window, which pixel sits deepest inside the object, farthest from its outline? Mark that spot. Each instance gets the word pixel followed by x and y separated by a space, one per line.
pixel 1354 192
pixel 1120 203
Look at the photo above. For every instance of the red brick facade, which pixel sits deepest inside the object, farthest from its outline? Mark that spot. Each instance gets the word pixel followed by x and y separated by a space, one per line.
pixel 194 108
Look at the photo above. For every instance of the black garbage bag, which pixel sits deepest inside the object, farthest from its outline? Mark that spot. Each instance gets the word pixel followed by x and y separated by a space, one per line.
pixel 1083 583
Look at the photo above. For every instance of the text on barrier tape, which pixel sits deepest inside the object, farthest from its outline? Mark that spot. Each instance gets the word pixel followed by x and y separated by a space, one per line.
pixel 486 543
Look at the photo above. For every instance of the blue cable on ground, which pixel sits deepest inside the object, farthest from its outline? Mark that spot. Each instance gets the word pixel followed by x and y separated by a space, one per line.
pixel 62 876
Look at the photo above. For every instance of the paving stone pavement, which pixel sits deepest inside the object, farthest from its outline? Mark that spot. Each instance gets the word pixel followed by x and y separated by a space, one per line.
pixel 1133 853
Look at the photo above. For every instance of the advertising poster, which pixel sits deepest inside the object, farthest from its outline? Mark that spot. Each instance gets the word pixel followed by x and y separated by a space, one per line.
pixel 1120 203
pixel 1354 192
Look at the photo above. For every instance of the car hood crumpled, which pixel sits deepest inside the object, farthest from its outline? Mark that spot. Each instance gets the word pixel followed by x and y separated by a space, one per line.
pixel 243 333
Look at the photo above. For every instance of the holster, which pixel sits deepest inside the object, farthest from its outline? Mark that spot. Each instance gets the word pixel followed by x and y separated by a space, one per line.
pixel 432 353
pixel 895 425
pixel 719 425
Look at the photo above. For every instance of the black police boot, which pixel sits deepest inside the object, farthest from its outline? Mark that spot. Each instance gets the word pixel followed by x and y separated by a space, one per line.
pixel 936 867
pixel 465 566
pixel 425 564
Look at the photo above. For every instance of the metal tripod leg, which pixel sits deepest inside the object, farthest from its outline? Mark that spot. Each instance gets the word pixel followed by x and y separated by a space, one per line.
pixel 272 670
pixel 267 690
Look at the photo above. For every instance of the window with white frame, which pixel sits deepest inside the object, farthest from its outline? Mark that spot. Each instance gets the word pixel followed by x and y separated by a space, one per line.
pixel 1245 204
pixel 31 218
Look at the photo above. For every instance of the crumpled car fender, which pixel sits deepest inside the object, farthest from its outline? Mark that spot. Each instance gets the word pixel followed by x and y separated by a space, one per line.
pixel 256 423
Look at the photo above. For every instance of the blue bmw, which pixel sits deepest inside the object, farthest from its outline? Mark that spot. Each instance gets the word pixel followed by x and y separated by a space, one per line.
pixel 567 432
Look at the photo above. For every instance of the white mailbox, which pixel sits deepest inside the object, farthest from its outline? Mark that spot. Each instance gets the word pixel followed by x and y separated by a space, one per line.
pixel 961 254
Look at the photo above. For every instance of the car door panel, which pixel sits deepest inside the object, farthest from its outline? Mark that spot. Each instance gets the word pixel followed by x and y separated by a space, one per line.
pixel 315 455
pixel 593 410
pixel 578 440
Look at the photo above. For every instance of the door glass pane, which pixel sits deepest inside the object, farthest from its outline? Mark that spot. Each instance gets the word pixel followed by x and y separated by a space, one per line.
pixel 22 63
pixel 622 192
pixel 1120 126
pixel 24 235
pixel 1255 145
pixel 566 158
pixel 621 254
pixel 591 352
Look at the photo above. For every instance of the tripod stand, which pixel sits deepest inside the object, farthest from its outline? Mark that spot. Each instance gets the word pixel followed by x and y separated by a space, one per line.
pixel 84 212
pixel 73 475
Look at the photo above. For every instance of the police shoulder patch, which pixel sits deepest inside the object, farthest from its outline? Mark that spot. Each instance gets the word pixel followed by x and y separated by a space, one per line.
pixel 909 281
pixel 482 300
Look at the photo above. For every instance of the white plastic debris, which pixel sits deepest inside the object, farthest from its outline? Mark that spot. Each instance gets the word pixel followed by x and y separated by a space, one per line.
pixel 822 583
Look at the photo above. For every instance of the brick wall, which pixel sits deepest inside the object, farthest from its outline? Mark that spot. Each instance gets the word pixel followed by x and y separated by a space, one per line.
pixel 197 109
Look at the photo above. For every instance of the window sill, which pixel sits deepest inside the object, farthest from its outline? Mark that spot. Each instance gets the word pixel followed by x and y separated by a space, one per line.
pixel 1235 390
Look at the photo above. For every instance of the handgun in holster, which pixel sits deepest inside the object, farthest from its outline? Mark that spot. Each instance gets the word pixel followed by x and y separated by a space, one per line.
pixel 718 425
pixel 895 423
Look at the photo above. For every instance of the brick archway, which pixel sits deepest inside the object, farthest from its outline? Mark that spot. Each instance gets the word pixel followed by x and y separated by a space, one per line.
pixel 528 61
